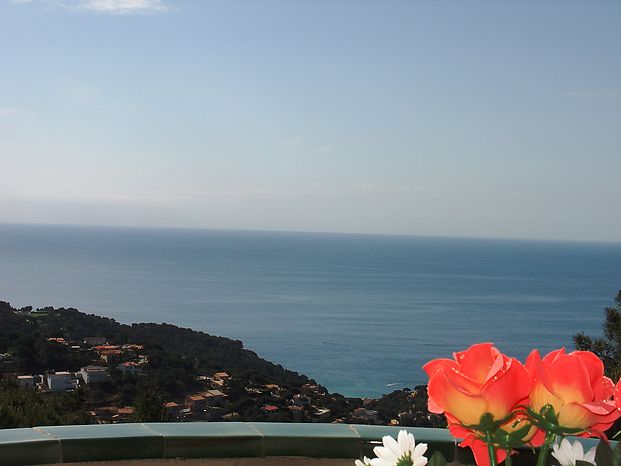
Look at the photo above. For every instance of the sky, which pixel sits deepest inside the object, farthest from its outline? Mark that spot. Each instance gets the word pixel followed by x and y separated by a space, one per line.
pixel 452 118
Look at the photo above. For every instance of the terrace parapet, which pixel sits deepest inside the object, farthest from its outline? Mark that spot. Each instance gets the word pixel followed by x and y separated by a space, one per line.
pixel 338 444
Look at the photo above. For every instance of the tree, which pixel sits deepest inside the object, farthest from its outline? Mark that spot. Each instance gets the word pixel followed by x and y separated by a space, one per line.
pixel 608 347
pixel 21 407
pixel 149 405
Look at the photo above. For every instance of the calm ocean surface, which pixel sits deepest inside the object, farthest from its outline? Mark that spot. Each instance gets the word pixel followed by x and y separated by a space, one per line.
pixel 354 312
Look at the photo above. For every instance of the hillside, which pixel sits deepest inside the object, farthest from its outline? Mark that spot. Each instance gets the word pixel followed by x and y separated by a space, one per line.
pixel 114 372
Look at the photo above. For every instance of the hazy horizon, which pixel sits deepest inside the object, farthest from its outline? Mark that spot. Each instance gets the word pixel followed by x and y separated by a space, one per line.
pixel 315 232
pixel 477 119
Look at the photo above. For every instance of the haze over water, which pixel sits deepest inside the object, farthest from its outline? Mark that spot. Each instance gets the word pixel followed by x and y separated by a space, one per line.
pixel 354 312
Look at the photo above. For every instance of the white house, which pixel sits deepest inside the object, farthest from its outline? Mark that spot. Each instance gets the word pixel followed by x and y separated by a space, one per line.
pixel 25 381
pixel 60 381
pixel 94 374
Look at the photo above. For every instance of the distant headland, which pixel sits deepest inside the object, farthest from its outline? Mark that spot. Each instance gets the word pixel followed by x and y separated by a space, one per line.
pixel 62 366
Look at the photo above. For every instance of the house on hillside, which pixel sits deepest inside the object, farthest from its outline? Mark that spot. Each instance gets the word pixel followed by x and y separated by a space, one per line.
pixel 123 415
pixel 94 374
pixel 195 403
pixel 111 354
pixel 25 381
pixel 95 341
pixel 173 409
pixel 130 367
pixel 103 415
pixel 61 381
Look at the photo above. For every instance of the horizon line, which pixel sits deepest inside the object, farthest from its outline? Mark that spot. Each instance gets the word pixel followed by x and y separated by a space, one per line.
pixel 315 232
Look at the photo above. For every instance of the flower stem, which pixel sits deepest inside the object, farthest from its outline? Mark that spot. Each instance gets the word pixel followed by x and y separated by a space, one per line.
pixel 491 450
pixel 508 461
pixel 543 451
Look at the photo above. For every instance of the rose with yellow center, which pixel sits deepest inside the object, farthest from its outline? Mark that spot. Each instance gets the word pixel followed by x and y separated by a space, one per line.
pixel 574 386
pixel 478 381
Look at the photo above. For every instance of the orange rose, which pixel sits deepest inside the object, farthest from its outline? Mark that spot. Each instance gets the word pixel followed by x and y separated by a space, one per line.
pixel 480 380
pixel 575 386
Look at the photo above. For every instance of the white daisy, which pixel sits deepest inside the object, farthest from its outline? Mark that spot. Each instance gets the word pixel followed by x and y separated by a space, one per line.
pixel 400 452
pixel 365 462
pixel 567 454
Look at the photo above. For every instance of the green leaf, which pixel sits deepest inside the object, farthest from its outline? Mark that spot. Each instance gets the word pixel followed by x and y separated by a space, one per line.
pixel 603 454
pixel 516 438
pixel 437 459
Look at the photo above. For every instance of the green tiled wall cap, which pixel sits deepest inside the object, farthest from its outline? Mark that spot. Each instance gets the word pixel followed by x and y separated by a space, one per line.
pixel 53 444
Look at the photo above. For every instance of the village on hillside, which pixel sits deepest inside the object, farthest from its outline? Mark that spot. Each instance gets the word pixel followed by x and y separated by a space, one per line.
pixel 215 396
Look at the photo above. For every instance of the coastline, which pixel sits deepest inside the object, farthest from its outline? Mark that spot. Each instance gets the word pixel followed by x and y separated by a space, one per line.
pixel 160 372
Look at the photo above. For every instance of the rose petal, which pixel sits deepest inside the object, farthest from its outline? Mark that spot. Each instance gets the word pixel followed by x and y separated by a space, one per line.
pixel 460 379
pixel 477 360
pixel 569 378
pixel 468 409
pixel 505 390
pixel 600 408
pixel 603 389
pixel 593 364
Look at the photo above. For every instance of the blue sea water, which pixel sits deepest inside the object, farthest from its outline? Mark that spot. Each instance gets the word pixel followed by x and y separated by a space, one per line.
pixel 357 313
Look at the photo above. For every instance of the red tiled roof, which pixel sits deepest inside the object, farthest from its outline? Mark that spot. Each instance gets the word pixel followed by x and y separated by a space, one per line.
pixel 57 340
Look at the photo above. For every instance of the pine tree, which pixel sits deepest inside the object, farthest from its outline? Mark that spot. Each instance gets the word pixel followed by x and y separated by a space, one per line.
pixel 608 347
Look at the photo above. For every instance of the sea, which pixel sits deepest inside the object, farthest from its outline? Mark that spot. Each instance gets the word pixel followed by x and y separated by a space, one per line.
pixel 360 314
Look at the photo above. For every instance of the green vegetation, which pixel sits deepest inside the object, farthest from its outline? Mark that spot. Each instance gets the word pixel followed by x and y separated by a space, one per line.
pixel 608 347
pixel 409 407
pixel 26 408
pixel 176 364
pixel 175 353
pixel 149 405
pixel 176 358
pixel 27 340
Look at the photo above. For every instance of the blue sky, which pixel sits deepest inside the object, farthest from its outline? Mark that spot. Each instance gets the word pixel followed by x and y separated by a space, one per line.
pixel 491 119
